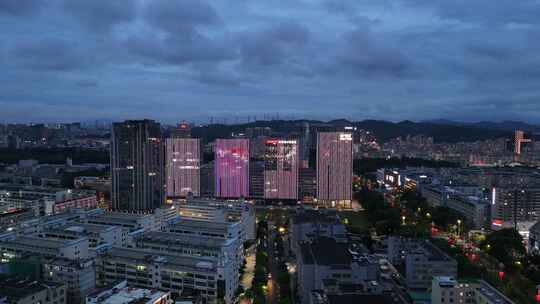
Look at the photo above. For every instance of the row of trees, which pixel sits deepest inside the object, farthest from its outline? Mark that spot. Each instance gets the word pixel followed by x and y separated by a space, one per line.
pixel 54 155
pixel 368 165
pixel 261 265
pixel 283 279
pixel 410 207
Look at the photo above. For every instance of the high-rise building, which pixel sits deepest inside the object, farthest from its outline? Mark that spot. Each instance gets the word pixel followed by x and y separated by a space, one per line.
pixel 136 165
pixel 281 169
pixel 305 146
pixel 520 139
pixel 182 163
pixel 232 168
pixel 208 180
pixel 256 178
pixel 307 184
pixel 334 168
pixel 514 206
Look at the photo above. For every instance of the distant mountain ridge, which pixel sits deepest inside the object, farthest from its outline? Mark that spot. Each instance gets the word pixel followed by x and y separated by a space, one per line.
pixel 507 125
pixel 450 132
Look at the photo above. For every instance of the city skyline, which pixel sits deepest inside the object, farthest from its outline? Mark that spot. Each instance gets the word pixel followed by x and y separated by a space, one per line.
pixel 392 60
pixel 269 152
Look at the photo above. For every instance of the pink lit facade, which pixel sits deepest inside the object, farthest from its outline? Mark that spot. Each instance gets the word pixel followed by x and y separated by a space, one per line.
pixel 281 169
pixel 334 168
pixel 232 168
pixel 183 166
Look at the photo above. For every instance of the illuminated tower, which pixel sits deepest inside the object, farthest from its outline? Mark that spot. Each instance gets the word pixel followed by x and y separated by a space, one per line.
pixel 182 163
pixel 281 169
pixel 232 168
pixel 334 168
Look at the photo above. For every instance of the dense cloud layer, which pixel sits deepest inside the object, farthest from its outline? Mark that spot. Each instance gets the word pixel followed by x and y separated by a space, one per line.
pixel 193 59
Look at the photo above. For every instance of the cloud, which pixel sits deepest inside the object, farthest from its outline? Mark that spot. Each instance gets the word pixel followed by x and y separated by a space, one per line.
pixel 100 15
pixel 272 46
pixel 49 54
pixel 180 16
pixel 402 59
pixel 183 38
pixel 178 50
pixel 483 11
pixel 20 7
pixel 366 55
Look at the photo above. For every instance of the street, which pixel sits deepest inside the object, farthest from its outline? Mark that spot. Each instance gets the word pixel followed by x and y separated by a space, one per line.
pixel 272 285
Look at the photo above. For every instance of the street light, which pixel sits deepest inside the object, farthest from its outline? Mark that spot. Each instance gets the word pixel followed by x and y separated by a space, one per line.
pixel 403 220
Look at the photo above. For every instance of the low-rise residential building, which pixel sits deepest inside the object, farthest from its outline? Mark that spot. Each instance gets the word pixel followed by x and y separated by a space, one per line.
pixel 75 249
pixel 307 225
pixel 423 261
pixel 16 290
pixel 321 297
pixel 11 217
pixel 63 260
pixel 193 278
pixel 79 276
pixel 122 294
pixel 45 200
pixel 206 229
pixel 227 254
pixel 98 235
pixel 132 223
pixel 473 207
pixel 220 211
pixel 447 290
pixel 325 264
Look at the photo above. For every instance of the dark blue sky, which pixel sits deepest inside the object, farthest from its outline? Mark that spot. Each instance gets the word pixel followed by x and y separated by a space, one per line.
pixel 170 60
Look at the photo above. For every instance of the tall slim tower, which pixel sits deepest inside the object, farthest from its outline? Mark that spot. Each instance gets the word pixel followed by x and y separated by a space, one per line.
pixel 136 165
pixel 232 168
pixel 182 166
pixel 281 169
pixel 334 168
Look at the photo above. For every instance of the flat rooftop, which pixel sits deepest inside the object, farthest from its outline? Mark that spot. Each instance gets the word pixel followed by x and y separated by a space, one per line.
pixel 31 242
pixel 89 228
pixel 130 255
pixel 326 251
pixel 132 296
pixel 434 253
pixel 316 216
pixel 188 240
pixel 15 288
pixel 117 217
pixel 189 223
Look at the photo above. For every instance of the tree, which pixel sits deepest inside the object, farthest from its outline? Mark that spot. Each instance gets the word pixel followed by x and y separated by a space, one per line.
pixel 506 246
pixel 444 216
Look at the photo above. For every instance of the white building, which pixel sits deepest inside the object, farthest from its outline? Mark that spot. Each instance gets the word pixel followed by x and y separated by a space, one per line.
pixel 447 290
pixel 206 229
pixel 220 211
pixel 190 278
pixel 121 294
pixel 98 235
pixel 325 264
pixel 226 254
pixel 422 260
